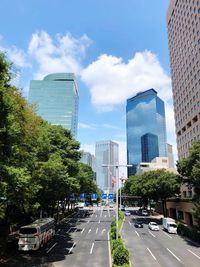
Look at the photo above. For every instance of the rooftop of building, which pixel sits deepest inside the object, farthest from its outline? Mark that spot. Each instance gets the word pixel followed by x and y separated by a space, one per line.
pixel 143 94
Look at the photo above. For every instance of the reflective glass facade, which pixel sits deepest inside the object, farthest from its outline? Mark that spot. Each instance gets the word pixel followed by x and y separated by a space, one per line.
pixel 56 98
pixel 145 114
pixel 149 147
pixel 106 152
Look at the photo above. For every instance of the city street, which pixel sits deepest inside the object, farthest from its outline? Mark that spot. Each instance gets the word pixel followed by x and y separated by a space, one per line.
pixel 79 241
pixel 158 248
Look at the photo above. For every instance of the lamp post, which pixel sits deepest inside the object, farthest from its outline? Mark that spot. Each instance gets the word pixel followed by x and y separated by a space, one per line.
pixel 116 166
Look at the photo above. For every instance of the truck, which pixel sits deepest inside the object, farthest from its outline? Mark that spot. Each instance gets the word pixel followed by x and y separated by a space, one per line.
pixel 169 225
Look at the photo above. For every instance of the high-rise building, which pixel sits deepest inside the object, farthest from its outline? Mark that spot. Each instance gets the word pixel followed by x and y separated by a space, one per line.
pixel 145 117
pixel 106 152
pixel 56 98
pixel 170 155
pixel 183 23
pixel 149 146
pixel 89 159
pixel 15 75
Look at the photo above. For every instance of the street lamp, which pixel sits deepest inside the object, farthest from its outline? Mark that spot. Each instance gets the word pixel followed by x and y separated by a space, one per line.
pixel 117 188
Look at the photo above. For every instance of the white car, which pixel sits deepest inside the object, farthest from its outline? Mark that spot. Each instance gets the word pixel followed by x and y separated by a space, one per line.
pixel 127 213
pixel 153 226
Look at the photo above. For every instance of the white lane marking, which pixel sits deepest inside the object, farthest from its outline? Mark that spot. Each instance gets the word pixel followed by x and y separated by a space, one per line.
pixel 96 216
pixel 194 254
pixel 152 234
pixel 51 248
pixel 105 216
pixel 103 231
pixel 92 215
pixel 108 212
pixel 129 222
pixel 69 230
pixel 99 221
pixel 88 221
pixel 91 248
pixel 97 230
pixel 151 254
pixel 89 231
pixel 137 233
pixel 173 254
pixel 167 235
pixel 101 212
pixel 70 250
pixel 83 230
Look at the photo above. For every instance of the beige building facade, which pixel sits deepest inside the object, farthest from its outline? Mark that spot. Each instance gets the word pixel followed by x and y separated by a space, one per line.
pixel 183 23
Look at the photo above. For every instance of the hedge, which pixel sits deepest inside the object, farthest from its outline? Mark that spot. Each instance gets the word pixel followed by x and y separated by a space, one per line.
pixel 190 232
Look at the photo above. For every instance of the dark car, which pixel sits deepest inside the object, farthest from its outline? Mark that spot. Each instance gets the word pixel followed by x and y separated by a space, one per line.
pixel 138 224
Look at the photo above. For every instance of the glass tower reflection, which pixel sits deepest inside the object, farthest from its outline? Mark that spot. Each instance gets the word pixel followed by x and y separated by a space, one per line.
pixel 145 120
pixel 56 98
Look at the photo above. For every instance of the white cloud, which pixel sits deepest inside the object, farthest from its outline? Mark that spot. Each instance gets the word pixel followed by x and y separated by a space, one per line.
pixel 15 55
pixel 111 81
pixel 86 126
pixel 60 54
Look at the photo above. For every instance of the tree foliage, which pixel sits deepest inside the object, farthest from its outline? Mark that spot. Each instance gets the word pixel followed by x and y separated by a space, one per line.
pixel 155 185
pixel 39 162
pixel 189 169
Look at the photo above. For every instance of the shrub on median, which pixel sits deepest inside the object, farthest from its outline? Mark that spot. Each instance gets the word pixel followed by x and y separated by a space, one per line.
pixel 120 256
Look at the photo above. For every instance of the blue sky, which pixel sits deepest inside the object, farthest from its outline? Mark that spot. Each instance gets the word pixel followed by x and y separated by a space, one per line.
pixel 116 48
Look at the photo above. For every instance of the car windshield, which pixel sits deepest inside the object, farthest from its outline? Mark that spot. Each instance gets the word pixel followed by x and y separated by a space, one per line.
pixel 153 223
pixel 28 230
pixel 172 225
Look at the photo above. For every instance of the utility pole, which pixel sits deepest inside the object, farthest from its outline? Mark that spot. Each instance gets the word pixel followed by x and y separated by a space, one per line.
pixel 117 189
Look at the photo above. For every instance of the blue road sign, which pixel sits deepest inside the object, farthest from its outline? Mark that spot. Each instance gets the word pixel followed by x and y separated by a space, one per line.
pixel 104 196
pixel 110 196
pixel 82 196
pixel 94 196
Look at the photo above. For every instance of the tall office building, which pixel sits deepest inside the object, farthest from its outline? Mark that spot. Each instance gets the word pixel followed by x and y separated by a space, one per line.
pixel 145 120
pixel 15 75
pixel 183 23
pixel 56 97
pixel 106 152
pixel 170 155
pixel 149 147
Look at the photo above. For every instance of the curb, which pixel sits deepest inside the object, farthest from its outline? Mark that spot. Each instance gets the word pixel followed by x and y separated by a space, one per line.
pixel 109 250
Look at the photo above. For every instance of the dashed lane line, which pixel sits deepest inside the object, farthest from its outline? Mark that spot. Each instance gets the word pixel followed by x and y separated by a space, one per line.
pixel 92 248
pixel 173 254
pixel 152 234
pixel 70 250
pixel 51 248
pixel 167 235
pixel 194 254
pixel 137 233
pixel 151 254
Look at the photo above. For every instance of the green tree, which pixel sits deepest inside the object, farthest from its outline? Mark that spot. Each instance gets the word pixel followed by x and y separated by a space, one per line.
pixel 189 169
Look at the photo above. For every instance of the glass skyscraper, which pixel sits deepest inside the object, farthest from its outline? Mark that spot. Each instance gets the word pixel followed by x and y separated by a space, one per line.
pixel 145 117
pixel 56 99
pixel 149 147
pixel 106 152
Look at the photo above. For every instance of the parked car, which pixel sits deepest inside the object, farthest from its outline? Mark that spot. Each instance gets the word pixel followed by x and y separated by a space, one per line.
pixel 144 213
pixel 127 213
pixel 153 226
pixel 138 224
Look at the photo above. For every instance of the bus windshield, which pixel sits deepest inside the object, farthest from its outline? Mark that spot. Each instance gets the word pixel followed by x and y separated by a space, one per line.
pixel 28 230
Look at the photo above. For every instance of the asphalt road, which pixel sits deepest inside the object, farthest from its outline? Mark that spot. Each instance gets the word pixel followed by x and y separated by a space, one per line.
pixel 79 241
pixel 157 248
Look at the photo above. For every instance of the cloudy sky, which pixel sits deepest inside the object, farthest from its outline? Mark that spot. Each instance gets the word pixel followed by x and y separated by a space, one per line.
pixel 116 49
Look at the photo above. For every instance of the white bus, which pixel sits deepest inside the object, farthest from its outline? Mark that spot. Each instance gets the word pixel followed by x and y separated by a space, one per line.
pixel 36 234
